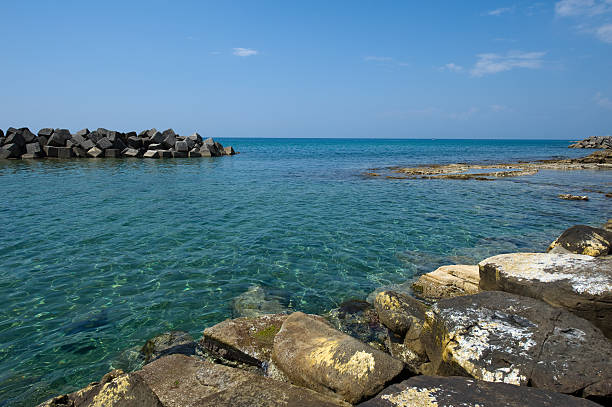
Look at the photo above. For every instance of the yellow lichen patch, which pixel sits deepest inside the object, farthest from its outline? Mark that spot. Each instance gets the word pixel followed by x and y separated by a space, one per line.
pixel 387 301
pixel 328 353
pixel 413 397
pixel 112 392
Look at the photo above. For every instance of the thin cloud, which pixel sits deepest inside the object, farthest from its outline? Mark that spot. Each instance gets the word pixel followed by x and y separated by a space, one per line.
pixel 451 67
pixel 604 33
pixel 464 115
pixel 572 8
pixel 488 64
pixel 500 108
pixel 499 11
pixel 603 101
pixel 245 52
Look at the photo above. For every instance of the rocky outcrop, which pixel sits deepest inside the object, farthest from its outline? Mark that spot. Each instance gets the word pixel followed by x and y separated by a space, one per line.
pixel 448 281
pixel 594 142
pixel 167 344
pixel 244 340
pixel 182 381
pixel 256 302
pixel 570 197
pixel 500 337
pixel 404 316
pixel 115 389
pixel 60 143
pixel 312 354
pixel 581 239
pixel 581 284
pixel 430 391
pixel 358 318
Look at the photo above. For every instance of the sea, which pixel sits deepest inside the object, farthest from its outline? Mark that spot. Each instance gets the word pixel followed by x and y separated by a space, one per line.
pixel 97 256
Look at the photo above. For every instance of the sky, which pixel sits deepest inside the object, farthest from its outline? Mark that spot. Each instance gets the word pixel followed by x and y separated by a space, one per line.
pixel 376 69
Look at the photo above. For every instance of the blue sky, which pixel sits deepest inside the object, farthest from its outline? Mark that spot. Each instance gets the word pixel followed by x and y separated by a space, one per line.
pixel 441 69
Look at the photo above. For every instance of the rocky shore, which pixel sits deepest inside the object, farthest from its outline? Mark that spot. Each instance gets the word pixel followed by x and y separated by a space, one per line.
pixel 102 143
pixel 517 329
pixel 594 142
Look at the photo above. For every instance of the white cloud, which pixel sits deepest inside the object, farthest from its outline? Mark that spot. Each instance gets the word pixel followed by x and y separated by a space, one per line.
pixel 604 33
pixel 499 11
pixel 245 52
pixel 494 63
pixel 603 101
pixel 568 8
pixel 451 67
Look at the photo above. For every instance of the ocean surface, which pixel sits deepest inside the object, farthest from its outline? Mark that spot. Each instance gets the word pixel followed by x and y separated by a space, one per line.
pixel 97 256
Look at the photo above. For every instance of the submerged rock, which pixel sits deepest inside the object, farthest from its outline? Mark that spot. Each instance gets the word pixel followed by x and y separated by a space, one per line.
pixel 314 355
pixel 115 389
pixel 168 343
pixel 181 381
pixel 256 302
pixel 570 197
pixel 501 337
pixel 430 391
pixel 358 318
pixel 448 281
pixel 582 284
pixel 582 239
pixel 245 340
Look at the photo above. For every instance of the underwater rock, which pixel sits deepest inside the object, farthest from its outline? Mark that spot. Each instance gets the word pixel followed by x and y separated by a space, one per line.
pixel 501 337
pixel 582 239
pixel 448 281
pixel 570 197
pixel 167 344
pixel 359 319
pixel 181 381
pixel 256 302
pixel 430 391
pixel 314 355
pixel 581 284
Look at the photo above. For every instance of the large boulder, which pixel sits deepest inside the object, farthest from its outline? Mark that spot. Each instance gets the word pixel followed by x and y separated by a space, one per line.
pixel 115 389
pixel 501 337
pixel 312 354
pixel 461 391
pixel 582 239
pixel 448 281
pixel 245 340
pixel 582 284
pixel 168 343
pixel 182 381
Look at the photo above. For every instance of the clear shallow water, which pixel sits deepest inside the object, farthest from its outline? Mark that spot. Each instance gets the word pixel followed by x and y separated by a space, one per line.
pixel 98 256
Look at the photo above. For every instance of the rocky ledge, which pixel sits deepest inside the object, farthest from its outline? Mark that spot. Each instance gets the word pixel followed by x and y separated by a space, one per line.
pixel 102 143
pixel 594 142
pixel 519 329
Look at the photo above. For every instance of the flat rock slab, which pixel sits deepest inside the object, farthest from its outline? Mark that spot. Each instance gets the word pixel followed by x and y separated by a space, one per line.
pixel 448 281
pixel 582 239
pixel 115 389
pixel 581 284
pixel 501 337
pixel 245 340
pixel 430 391
pixel 312 354
pixel 183 381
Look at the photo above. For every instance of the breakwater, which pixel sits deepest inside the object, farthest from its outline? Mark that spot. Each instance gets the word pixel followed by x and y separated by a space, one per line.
pixel 102 143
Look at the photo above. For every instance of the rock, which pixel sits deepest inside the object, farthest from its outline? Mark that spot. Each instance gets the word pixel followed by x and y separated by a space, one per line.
pixel 448 281
pixel 104 143
pixel 51 151
pixel 168 343
pixel 244 340
pixel 57 139
pixel 82 133
pixel 78 139
pixel 180 154
pixel 11 150
pixel 581 284
pixel 119 144
pixel 501 337
pixel 87 145
pixel 115 389
pixel 608 225
pixel 27 135
pixel 46 132
pixel 594 142
pixel 169 138
pixel 64 152
pixel 16 139
pixel 130 152
pixel 229 150
pixel 571 197
pixel 134 142
pixel 196 138
pixel 194 153
pixel 165 153
pixel 31 156
pixel 112 153
pixel 151 154
pixel 461 391
pixel 94 136
pixel 314 355
pixel 219 147
pixel 205 151
pixel 94 152
pixel 181 146
pixel 155 136
pixel 79 152
pixel 256 302
pixel 581 239
pixel 181 381
pixel 359 319
pixel 43 140
pixel 156 146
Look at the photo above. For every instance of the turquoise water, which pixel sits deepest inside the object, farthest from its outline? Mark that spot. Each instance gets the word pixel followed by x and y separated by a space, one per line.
pixel 98 256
